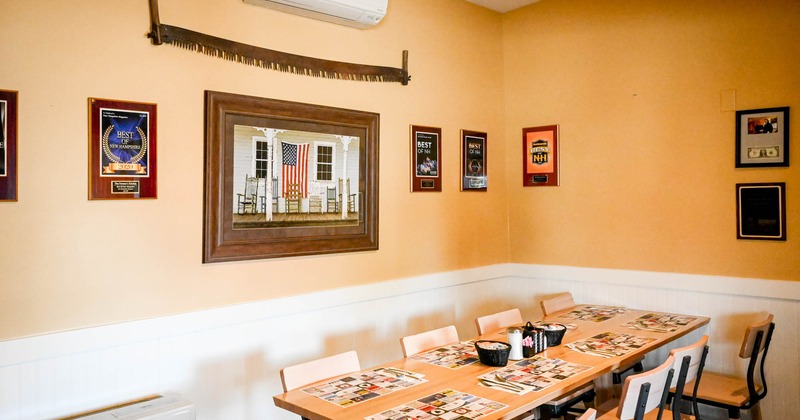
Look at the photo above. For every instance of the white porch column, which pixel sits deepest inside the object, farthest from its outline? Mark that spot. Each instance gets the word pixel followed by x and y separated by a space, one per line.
pixel 345 184
pixel 270 134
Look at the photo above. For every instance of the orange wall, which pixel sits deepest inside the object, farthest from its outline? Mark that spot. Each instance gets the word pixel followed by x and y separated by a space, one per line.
pixel 66 262
pixel 641 91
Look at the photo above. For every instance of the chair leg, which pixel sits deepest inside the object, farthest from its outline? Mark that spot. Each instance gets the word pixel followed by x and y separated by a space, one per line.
pixel 755 412
pixel 734 414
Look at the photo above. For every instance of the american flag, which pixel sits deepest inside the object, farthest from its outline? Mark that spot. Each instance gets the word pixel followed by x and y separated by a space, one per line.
pixel 295 167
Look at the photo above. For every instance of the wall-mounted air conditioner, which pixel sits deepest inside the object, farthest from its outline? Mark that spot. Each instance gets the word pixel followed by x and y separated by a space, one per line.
pixel 356 13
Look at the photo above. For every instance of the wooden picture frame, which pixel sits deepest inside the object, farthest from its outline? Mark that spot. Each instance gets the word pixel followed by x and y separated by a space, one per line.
pixel 761 211
pixel 426 159
pixel 122 150
pixel 540 156
pixel 286 179
pixel 8 145
pixel 473 161
pixel 762 137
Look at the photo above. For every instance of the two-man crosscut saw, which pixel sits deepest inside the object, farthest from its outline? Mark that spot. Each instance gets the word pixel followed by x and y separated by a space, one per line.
pixel 270 59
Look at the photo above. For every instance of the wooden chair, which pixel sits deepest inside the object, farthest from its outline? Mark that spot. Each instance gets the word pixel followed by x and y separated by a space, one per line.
pixel 302 374
pixel 293 197
pixel 418 343
pixel 590 414
pixel 332 204
pixel 564 301
pixel 689 363
pixel 642 393
pixel 494 322
pixel 246 201
pixel 274 196
pixel 734 393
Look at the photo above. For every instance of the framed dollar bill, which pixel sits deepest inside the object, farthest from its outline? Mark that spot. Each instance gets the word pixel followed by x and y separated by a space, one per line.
pixel 762 137
pixel 426 159
pixel 122 150
pixel 473 161
pixel 8 145
pixel 540 156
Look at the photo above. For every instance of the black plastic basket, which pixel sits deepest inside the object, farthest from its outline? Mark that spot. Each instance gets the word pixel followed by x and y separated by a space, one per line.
pixel 493 357
pixel 554 336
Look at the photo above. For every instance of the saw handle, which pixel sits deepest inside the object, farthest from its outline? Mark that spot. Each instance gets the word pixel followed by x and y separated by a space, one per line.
pixel 155 24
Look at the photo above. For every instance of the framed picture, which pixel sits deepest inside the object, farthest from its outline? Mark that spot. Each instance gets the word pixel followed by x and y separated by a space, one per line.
pixel 426 159
pixel 473 161
pixel 540 156
pixel 122 150
pixel 8 145
pixel 286 179
pixel 762 137
pixel 761 211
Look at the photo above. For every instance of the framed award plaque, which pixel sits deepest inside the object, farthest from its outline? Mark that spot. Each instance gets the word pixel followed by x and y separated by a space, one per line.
pixel 426 159
pixel 8 145
pixel 473 161
pixel 540 156
pixel 761 211
pixel 122 150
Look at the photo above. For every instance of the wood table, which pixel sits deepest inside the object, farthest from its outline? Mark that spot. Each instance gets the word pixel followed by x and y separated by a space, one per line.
pixel 465 380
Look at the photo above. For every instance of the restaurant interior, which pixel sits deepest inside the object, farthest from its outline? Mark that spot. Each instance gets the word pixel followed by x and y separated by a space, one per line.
pixel 106 301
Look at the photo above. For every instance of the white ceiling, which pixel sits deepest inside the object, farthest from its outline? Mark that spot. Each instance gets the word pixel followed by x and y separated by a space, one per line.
pixel 503 6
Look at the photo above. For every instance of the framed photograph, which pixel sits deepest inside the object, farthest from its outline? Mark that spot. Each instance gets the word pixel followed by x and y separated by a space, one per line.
pixel 540 156
pixel 761 211
pixel 122 150
pixel 8 145
pixel 286 179
pixel 426 159
pixel 762 137
pixel 473 161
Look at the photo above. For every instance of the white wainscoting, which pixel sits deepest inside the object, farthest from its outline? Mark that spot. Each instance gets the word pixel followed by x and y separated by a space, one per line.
pixel 227 360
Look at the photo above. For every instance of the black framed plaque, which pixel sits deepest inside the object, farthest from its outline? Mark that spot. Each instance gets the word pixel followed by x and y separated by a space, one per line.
pixel 761 211
pixel 762 137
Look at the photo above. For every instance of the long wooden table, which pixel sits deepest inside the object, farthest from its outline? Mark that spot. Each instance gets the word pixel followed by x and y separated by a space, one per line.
pixel 465 380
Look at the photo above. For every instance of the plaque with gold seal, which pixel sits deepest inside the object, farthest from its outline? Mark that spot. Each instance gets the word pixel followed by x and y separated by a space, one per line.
pixel 540 156
pixel 122 149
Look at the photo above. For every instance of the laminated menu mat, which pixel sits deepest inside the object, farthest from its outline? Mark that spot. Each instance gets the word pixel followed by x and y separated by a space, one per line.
pixel 594 313
pixel 451 356
pixel 660 322
pixel 446 404
pixel 534 374
pixel 609 344
pixel 363 386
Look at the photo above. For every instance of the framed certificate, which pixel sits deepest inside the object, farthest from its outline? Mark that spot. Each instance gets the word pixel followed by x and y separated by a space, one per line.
pixel 426 159
pixel 762 137
pixel 540 156
pixel 122 150
pixel 473 161
pixel 8 145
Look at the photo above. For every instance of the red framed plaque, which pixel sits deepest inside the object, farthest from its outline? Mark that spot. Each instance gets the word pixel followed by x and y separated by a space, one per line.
pixel 122 150
pixel 8 145
pixel 540 156
pixel 426 159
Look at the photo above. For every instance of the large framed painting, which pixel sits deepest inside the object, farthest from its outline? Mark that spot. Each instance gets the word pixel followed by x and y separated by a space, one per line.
pixel 122 150
pixel 287 179
pixel 8 145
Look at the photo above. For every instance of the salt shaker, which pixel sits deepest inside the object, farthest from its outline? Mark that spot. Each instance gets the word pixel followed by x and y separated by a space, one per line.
pixel 515 340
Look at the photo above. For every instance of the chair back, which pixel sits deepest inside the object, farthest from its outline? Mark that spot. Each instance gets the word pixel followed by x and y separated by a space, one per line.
pixel 557 303
pixel 589 414
pixel 316 370
pixel 689 363
pixel 499 320
pixel 418 343
pixel 644 392
pixel 755 346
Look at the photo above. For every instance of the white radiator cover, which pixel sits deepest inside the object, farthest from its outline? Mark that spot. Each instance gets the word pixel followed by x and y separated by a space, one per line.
pixel 169 407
